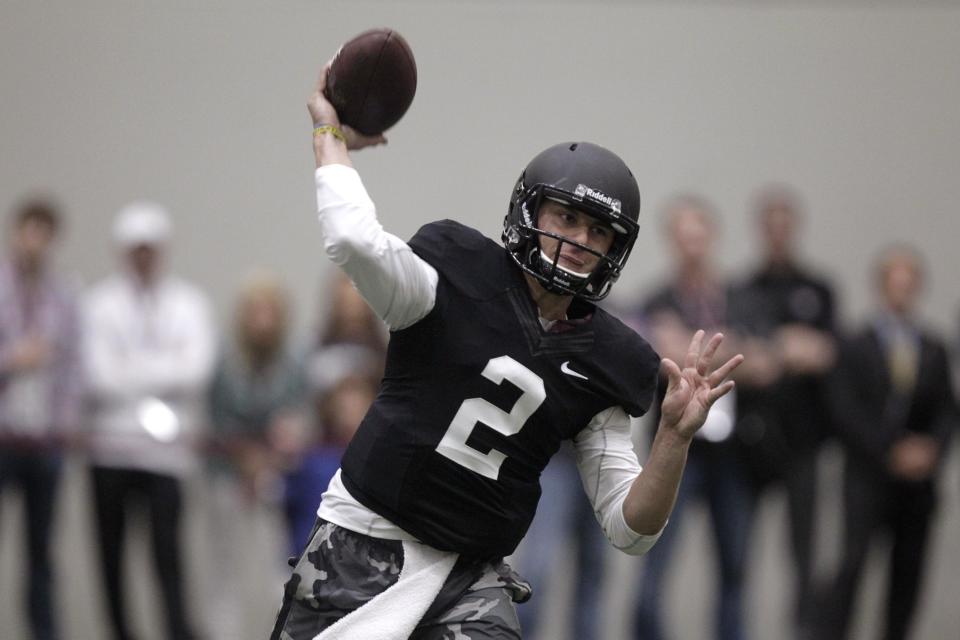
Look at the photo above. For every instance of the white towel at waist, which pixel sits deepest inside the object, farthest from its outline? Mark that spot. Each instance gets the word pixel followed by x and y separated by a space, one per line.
pixel 394 613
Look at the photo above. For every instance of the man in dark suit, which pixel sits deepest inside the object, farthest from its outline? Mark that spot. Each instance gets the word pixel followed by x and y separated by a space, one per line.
pixel 894 410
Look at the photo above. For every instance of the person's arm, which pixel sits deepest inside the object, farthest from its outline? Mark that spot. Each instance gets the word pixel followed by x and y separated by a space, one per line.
pixel 399 285
pixel 608 466
pixel 115 371
pixel 691 391
pixel 633 504
pixel 186 362
pixel 947 413
pixel 102 361
pixel 917 456
pixel 68 375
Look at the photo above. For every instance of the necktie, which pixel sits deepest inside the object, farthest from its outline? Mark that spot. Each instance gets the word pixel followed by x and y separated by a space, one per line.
pixel 902 363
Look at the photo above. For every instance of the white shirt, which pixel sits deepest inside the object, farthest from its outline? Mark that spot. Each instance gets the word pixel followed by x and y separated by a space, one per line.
pixel 148 355
pixel 401 288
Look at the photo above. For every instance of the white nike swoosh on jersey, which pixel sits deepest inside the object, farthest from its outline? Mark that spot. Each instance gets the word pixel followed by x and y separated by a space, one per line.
pixel 565 367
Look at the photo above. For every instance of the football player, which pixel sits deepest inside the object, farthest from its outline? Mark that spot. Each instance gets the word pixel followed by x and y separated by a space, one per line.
pixel 497 354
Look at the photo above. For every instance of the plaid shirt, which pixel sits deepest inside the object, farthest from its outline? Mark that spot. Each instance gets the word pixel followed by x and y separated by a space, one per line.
pixel 47 401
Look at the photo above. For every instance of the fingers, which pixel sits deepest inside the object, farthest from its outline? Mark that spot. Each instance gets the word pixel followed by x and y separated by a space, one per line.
pixel 718 392
pixel 672 372
pixel 322 79
pixel 719 388
pixel 693 352
pixel 699 356
pixel 723 371
pixel 703 363
pixel 357 140
pixel 321 111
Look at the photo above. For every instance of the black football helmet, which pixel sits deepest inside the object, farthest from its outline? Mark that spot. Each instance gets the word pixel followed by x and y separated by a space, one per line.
pixel 585 177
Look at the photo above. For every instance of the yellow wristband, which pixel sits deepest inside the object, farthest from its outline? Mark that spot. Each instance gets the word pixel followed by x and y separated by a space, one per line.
pixel 332 130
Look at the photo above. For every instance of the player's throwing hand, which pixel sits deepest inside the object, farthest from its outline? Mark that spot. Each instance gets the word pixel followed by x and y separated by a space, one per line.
pixel 691 391
pixel 323 113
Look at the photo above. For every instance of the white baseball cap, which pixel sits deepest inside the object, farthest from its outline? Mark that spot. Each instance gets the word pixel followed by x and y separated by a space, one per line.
pixel 142 223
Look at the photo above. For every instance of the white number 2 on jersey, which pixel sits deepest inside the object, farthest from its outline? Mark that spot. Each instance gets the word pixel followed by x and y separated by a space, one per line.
pixel 473 410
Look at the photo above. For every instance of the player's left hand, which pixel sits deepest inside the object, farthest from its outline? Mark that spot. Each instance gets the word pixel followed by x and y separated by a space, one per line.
pixel 692 390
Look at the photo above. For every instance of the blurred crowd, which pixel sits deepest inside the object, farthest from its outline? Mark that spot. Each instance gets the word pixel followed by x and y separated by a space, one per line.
pixel 881 392
pixel 132 377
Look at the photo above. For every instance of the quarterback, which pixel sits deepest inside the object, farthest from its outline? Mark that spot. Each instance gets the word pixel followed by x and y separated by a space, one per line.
pixel 497 354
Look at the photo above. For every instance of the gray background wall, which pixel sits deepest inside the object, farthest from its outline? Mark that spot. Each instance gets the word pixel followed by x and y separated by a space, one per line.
pixel 200 105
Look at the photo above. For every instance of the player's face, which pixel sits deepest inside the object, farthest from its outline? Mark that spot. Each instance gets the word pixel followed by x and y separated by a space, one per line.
pixel 576 226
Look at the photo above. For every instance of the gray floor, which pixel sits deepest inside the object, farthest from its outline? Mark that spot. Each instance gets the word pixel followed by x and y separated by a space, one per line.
pixel 691 587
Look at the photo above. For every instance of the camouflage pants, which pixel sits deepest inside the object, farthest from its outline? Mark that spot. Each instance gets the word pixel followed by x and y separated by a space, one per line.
pixel 341 570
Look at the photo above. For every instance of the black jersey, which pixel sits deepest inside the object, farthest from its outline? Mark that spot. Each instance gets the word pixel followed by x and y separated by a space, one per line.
pixel 477 397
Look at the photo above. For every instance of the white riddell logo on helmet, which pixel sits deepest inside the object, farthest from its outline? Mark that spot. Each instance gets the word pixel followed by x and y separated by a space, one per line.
pixel 583 191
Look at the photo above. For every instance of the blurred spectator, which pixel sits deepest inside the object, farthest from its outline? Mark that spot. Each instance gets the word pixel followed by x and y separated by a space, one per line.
pixel 564 516
pixel 695 297
pixel 894 409
pixel 341 409
pixel 344 371
pixel 39 389
pixel 149 350
pixel 259 390
pixel 353 339
pixel 784 418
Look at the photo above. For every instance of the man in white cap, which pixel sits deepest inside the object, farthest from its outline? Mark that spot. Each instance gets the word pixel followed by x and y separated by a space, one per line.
pixel 149 349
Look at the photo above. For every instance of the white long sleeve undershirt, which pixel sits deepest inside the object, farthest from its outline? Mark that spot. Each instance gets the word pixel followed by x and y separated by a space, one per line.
pixel 401 288
pixel 397 283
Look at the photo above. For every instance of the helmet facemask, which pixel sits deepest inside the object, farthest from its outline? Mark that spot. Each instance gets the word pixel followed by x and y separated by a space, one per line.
pixel 522 235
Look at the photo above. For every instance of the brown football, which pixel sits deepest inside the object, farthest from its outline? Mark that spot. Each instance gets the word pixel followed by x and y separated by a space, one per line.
pixel 372 80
